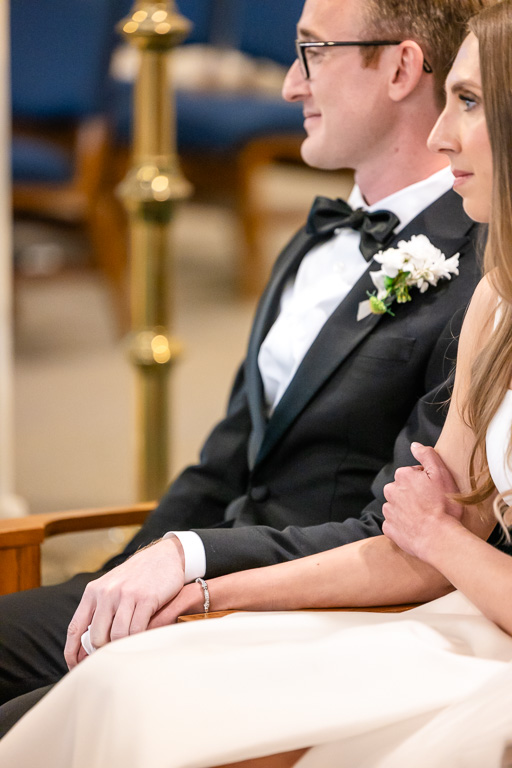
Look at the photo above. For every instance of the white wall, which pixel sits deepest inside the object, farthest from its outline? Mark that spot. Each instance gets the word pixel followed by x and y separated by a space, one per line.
pixel 10 505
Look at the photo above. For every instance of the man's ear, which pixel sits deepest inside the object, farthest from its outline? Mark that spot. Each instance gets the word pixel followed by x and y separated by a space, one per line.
pixel 407 70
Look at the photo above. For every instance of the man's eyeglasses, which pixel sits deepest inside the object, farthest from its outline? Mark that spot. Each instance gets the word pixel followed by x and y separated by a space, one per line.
pixel 302 47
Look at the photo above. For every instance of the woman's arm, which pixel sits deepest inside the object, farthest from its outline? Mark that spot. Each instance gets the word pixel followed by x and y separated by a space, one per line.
pixel 370 572
pixel 366 573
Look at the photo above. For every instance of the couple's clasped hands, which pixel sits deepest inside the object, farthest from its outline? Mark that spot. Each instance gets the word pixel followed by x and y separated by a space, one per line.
pixel 135 596
pixel 148 591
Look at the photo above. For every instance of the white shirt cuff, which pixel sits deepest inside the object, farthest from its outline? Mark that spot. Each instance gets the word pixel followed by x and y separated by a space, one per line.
pixel 195 555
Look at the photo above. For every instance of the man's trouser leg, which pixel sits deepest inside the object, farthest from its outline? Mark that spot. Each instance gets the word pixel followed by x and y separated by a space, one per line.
pixel 14 709
pixel 33 627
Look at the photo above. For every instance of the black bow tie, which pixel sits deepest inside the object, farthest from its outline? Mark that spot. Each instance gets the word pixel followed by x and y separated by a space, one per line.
pixel 376 227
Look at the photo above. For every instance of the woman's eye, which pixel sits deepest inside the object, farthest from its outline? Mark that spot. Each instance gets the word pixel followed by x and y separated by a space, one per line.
pixel 468 101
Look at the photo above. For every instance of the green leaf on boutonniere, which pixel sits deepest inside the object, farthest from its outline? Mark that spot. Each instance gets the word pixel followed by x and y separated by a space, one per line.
pixel 378 306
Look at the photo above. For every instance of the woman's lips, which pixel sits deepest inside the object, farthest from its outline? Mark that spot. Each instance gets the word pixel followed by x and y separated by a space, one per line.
pixel 460 177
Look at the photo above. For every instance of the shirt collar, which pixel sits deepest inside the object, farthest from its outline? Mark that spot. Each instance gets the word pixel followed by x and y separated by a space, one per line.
pixel 408 203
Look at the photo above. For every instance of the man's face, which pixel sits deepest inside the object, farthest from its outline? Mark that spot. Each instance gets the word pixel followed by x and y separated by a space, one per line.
pixel 346 105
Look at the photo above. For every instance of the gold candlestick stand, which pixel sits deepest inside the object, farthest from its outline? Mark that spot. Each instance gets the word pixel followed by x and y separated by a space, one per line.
pixel 150 191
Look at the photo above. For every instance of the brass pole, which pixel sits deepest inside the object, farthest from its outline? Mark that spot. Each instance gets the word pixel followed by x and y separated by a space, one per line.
pixel 150 191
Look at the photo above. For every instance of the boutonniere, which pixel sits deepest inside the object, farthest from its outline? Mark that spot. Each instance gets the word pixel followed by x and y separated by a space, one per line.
pixel 414 263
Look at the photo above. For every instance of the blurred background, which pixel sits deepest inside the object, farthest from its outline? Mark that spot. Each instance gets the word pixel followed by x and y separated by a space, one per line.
pixel 71 387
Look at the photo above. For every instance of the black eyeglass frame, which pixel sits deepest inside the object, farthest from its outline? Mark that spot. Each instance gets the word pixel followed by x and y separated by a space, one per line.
pixel 301 46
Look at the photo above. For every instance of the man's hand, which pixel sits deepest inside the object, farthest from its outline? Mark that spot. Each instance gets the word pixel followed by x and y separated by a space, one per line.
pixel 122 602
pixel 418 503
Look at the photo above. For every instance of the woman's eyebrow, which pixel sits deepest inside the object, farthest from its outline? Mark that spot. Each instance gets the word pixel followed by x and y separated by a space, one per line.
pixel 464 85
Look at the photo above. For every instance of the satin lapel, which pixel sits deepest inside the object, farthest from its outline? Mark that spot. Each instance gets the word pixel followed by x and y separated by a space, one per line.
pixel 286 264
pixel 443 222
pixel 448 226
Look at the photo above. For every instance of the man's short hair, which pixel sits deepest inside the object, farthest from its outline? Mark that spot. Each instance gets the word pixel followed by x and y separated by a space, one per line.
pixel 438 26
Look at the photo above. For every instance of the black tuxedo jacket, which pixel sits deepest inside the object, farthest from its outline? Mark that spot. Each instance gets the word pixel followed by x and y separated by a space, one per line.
pixel 310 478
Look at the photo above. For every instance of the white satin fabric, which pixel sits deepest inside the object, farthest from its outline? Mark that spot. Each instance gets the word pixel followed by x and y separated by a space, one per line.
pixel 431 687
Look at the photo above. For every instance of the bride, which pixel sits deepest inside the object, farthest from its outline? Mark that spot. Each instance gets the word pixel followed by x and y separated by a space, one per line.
pixel 430 687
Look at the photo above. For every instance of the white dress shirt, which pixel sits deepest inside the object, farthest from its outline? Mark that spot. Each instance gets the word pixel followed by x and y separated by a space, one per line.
pixel 325 276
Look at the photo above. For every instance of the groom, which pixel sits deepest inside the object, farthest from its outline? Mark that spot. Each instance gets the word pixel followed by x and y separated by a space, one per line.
pixel 326 403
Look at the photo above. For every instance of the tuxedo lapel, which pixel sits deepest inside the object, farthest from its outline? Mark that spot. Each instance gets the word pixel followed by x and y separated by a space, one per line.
pixel 444 223
pixel 339 336
pixel 342 333
pixel 287 263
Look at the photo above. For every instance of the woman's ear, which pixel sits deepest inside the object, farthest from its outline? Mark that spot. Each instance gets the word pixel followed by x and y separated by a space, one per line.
pixel 407 70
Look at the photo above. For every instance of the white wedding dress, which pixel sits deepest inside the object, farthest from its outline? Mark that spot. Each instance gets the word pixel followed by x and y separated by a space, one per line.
pixel 430 688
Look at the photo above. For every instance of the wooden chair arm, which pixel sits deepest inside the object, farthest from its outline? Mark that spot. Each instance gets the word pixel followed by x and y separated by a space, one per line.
pixel 367 609
pixel 20 538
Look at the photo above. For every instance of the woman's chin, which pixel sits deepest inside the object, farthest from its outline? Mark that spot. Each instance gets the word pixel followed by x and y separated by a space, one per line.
pixel 476 210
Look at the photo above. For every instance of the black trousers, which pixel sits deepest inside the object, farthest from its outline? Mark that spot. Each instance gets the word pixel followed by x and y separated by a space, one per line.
pixel 33 627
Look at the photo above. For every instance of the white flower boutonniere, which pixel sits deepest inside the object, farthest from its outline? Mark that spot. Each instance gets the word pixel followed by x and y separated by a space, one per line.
pixel 414 263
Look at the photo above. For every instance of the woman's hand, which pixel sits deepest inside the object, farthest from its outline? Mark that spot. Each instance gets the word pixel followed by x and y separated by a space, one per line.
pixel 189 600
pixel 418 504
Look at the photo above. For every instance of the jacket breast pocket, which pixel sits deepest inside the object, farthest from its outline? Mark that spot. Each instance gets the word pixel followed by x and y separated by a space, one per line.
pixel 397 349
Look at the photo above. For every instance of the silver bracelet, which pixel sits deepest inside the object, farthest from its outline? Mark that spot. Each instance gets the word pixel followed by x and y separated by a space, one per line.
pixel 204 585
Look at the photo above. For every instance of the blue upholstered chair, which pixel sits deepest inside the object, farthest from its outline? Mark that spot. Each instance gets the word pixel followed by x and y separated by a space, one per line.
pixel 223 137
pixel 60 52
